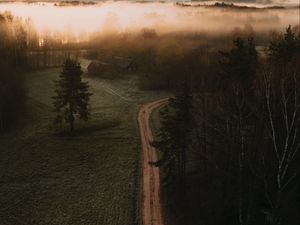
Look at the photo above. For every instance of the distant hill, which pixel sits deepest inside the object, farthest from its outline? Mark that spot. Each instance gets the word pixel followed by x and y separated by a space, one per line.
pixel 233 6
pixel 74 3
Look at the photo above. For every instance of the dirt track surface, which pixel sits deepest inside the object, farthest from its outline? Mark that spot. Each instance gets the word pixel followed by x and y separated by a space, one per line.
pixel 151 212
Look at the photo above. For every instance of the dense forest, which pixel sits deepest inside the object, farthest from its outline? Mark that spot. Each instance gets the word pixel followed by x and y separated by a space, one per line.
pixel 230 148
pixel 13 46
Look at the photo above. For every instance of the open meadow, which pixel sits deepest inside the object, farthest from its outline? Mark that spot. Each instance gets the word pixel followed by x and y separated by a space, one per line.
pixel 90 177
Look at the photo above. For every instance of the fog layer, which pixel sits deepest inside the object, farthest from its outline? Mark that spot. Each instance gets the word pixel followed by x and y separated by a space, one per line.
pixel 163 17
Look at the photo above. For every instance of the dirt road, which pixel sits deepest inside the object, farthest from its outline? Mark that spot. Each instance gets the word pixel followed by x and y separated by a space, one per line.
pixel 150 205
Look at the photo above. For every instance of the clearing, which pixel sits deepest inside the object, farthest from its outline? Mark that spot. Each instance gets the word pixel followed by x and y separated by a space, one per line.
pixel 89 178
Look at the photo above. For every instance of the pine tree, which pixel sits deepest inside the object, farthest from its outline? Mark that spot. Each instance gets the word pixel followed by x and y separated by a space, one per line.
pixel 72 95
pixel 283 49
pixel 238 73
pixel 173 138
pixel 238 66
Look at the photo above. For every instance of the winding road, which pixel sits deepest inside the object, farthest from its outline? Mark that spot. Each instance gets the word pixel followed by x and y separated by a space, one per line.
pixel 151 212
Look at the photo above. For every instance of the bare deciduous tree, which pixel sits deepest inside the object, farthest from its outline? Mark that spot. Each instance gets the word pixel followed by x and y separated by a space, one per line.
pixel 283 123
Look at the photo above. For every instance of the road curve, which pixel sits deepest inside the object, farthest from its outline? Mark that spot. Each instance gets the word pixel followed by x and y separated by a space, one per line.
pixel 151 213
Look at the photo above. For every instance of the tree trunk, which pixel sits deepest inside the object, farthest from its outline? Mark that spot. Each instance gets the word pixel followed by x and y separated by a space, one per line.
pixel 71 118
pixel 184 172
pixel 71 125
pixel 204 130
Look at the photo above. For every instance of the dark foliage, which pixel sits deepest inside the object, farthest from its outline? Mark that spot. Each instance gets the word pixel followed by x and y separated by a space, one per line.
pixel 242 142
pixel 72 95
pixel 173 145
pixel 13 48
pixel 12 98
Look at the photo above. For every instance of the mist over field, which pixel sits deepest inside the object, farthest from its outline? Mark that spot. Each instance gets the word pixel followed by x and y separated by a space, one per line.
pixel 149 112
pixel 164 17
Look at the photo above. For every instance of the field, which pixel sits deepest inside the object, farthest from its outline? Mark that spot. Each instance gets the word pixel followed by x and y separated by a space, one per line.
pixel 88 178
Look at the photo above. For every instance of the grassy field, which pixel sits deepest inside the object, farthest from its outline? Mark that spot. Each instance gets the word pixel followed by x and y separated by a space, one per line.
pixel 89 178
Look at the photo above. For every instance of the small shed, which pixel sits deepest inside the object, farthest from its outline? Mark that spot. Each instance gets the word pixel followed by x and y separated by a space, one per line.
pixel 101 69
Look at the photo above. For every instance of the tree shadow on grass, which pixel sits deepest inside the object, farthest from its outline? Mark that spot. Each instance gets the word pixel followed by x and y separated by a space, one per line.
pixel 87 128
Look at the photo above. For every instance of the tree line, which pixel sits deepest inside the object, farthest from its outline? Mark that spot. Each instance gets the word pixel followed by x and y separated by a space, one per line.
pixel 13 45
pixel 229 140
pixel 23 49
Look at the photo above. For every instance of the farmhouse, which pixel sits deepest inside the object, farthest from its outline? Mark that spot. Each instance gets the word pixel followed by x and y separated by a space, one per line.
pixel 117 66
